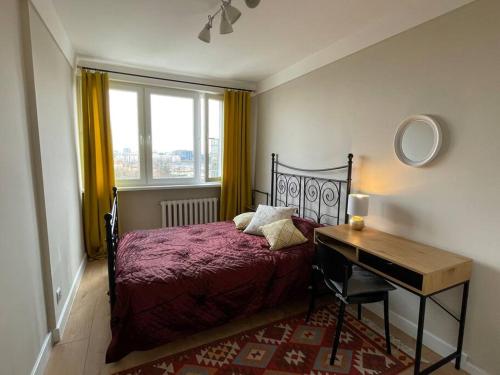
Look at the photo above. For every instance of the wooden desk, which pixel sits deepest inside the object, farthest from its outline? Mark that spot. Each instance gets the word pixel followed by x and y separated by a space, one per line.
pixel 421 269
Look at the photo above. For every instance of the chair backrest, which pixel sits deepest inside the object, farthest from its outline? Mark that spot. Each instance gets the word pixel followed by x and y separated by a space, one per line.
pixel 333 265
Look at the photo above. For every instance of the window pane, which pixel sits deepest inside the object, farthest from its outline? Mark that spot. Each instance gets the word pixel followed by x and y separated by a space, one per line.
pixel 203 141
pixel 172 136
pixel 125 134
pixel 215 119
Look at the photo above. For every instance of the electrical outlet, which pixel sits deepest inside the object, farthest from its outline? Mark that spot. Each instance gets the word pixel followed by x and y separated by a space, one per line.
pixel 58 295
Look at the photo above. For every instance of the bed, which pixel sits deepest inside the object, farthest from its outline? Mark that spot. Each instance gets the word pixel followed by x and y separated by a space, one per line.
pixel 168 283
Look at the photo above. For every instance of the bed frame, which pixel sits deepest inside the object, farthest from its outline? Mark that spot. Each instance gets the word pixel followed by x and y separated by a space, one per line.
pixel 321 197
pixel 112 237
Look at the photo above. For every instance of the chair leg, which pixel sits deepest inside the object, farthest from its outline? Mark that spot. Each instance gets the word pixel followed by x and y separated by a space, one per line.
pixel 311 306
pixel 386 324
pixel 338 330
pixel 313 297
pixel 359 311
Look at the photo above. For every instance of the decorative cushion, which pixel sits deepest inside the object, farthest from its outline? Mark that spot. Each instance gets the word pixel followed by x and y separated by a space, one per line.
pixel 282 234
pixel 242 220
pixel 267 215
pixel 306 226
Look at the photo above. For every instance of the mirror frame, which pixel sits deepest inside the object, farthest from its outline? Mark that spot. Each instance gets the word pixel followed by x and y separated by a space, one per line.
pixel 398 140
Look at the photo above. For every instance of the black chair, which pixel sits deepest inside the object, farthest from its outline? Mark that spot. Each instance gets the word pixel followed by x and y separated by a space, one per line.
pixel 351 285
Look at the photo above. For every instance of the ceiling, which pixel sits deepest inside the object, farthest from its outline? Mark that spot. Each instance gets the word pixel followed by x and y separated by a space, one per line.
pixel 162 34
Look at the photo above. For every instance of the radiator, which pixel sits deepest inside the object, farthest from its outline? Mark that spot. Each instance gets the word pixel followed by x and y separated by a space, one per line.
pixel 190 211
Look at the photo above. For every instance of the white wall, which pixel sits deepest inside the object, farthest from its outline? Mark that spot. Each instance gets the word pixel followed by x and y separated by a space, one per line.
pixel 23 325
pixel 40 219
pixel 449 68
pixel 54 78
pixel 141 209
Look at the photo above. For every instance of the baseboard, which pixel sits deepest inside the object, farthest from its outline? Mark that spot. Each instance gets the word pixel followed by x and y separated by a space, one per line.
pixel 473 369
pixel 432 341
pixel 57 333
pixel 43 356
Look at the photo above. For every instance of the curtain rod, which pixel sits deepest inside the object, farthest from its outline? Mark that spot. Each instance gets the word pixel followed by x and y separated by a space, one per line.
pixel 162 79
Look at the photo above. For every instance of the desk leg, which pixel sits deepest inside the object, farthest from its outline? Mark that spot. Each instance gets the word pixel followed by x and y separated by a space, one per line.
pixel 463 312
pixel 420 334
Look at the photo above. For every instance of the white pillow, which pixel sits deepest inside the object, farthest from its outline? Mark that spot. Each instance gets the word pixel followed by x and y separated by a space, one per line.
pixel 282 233
pixel 267 215
pixel 242 220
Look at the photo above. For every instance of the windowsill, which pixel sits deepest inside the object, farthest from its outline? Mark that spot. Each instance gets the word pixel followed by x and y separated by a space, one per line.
pixel 203 185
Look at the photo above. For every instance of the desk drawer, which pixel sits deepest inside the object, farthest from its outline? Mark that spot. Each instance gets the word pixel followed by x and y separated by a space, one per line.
pixel 402 274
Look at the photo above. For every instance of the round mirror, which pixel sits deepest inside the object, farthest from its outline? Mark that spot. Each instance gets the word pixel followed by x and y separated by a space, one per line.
pixel 417 140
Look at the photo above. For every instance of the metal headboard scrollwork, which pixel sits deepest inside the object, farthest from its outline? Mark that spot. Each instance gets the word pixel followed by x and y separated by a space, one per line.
pixel 322 198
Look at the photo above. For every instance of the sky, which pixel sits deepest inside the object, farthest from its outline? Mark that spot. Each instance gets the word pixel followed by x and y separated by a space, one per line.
pixel 172 121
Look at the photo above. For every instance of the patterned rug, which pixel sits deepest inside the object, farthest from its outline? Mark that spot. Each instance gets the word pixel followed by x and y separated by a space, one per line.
pixel 288 346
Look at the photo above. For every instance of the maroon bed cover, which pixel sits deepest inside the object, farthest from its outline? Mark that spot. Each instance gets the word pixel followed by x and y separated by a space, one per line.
pixel 177 281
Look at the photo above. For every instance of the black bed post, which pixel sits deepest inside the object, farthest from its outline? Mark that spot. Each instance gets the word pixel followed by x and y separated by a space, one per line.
pixel 111 258
pixel 348 191
pixel 273 156
pixel 115 204
pixel 111 220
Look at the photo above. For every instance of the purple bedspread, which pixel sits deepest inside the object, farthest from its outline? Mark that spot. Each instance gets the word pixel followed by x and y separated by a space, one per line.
pixel 177 281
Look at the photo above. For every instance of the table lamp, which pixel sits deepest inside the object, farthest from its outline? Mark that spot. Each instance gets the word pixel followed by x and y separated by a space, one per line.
pixel 357 207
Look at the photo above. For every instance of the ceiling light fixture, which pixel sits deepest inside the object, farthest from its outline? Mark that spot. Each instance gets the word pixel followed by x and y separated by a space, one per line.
pixel 252 3
pixel 204 34
pixel 232 14
pixel 226 26
pixel 229 15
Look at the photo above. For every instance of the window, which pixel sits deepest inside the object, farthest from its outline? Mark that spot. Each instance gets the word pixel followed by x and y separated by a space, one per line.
pixel 124 112
pixel 214 123
pixel 165 136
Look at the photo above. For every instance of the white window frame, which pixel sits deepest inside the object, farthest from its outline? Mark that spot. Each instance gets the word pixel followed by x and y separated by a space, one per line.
pixel 206 134
pixel 196 136
pixel 113 85
pixel 200 99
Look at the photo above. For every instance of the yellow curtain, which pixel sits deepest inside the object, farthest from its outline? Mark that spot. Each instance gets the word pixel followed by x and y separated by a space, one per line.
pixel 236 189
pixel 98 168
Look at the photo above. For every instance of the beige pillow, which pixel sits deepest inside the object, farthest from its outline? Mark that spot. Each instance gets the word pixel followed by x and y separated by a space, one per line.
pixel 267 215
pixel 282 234
pixel 242 220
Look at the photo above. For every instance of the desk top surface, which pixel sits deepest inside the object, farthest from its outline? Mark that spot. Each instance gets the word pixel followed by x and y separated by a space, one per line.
pixel 413 255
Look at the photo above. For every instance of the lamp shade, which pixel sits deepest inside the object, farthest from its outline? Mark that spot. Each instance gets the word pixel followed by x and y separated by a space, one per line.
pixel 204 34
pixel 225 24
pixel 357 204
pixel 252 3
pixel 232 13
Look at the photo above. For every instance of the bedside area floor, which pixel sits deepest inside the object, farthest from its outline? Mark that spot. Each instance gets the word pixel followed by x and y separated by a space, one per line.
pixel 87 334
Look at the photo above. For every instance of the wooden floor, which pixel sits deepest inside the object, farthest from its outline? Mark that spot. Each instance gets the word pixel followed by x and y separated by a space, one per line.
pixel 87 334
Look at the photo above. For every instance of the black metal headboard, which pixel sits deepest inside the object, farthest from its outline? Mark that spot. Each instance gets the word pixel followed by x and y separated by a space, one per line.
pixel 322 198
